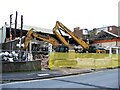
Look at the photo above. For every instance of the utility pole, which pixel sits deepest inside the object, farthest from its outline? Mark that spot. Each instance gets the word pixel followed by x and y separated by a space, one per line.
pixel 10 26
pixel 15 25
pixel 21 35
pixel 10 31
pixel 21 26
pixel 21 29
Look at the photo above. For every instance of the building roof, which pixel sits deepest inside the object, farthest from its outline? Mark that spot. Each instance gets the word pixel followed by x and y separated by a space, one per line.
pixel 38 29
pixel 111 33
pixel 28 27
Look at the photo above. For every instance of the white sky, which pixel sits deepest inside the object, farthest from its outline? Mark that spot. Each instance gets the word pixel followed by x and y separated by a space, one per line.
pixel 72 13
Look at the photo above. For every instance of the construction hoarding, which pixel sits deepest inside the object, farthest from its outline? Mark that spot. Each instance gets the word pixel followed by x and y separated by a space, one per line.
pixel 83 60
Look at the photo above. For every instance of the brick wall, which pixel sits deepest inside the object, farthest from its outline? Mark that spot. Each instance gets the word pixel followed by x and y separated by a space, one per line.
pixel 20 66
pixel 113 29
pixel 78 32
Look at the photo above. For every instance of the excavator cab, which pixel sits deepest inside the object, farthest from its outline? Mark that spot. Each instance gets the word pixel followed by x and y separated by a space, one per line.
pixel 62 48
pixel 94 49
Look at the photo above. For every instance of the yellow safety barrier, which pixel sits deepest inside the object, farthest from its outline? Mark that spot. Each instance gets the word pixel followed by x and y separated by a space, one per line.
pixel 83 60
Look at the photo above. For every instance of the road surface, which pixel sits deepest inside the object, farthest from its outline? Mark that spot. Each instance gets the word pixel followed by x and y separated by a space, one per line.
pixel 101 79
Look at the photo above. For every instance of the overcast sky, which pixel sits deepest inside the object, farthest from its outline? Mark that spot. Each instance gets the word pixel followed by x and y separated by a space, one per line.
pixel 72 13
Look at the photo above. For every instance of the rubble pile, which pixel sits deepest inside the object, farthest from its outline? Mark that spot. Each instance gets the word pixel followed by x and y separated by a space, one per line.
pixel 44 60
pixel 7 56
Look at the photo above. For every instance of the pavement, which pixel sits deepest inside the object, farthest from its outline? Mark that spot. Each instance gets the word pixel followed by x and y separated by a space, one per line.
pixel 99 80
pixel 43 74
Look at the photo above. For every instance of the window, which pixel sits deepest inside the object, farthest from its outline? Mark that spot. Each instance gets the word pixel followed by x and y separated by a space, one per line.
pixel 110 28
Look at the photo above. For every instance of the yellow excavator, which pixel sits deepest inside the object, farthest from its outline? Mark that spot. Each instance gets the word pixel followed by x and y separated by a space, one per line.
pixel 86 48
pixel 48 39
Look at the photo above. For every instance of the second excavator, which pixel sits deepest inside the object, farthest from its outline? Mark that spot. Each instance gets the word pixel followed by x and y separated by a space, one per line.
pixel 86 47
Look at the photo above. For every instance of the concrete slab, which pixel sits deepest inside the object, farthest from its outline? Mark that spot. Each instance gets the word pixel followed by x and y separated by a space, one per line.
pixel 43 74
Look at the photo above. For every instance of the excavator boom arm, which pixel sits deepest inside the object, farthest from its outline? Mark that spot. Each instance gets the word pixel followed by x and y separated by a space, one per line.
pixel 46 39
pixel 59 36
pixel 40 37
pixel 27 38
pixel 66 30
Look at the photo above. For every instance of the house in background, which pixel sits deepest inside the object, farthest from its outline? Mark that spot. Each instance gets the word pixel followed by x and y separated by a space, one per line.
pixel 108 38
pixel 81 34
pixel 105 37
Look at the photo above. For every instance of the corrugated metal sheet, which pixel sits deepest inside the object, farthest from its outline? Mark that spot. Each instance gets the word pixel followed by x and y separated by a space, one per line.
pixel 38 29
pixel 28 27
pixel 2 34
pixel 9 45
